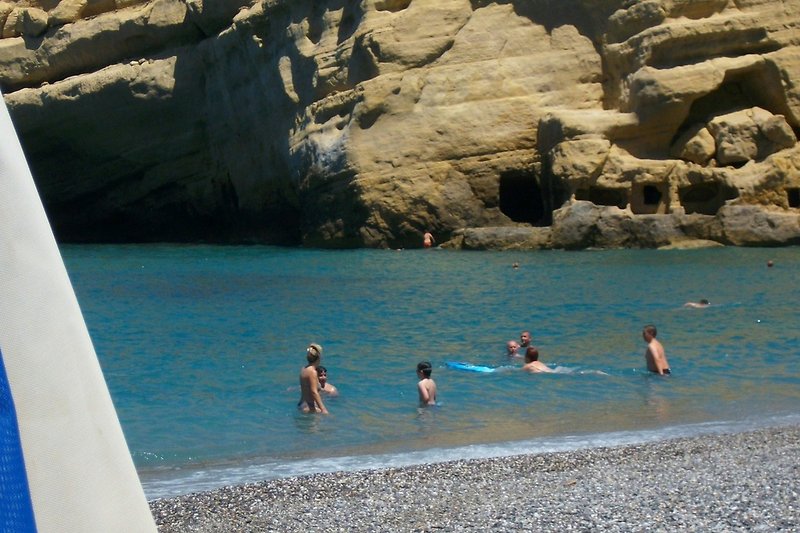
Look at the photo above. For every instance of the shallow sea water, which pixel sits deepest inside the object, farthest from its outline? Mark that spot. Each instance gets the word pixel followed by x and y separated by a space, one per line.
pixel 201 347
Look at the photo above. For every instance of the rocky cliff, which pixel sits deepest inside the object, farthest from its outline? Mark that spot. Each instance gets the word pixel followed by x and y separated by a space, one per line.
pixel 509 124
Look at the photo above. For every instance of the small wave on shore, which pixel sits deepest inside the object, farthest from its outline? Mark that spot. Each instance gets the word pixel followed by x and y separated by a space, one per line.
pixel 175 482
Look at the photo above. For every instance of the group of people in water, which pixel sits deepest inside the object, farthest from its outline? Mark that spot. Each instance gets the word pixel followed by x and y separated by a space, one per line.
pixel 314 383
pixel 655 355
pixel 523 349
pixel 314 377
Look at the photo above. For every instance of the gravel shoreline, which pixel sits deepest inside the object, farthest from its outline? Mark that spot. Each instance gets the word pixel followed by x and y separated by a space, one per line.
pixel 734 482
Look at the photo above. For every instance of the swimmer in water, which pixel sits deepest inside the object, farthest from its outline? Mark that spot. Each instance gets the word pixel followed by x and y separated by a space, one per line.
pixel 532 363
pixel 310 399
pixel 654 355
pixel 698 305
pixel 426 386
pixel 524 340
pixel 512 349
pixel 325 386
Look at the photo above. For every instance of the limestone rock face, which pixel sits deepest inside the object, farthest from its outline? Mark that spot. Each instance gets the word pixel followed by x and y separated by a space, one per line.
pixel 696 145
pixel 749 225
pixel 750 134
pixel 502 238
pixel 519 124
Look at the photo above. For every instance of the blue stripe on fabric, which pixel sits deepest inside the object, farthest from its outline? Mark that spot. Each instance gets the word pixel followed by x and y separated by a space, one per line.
pixel 16 509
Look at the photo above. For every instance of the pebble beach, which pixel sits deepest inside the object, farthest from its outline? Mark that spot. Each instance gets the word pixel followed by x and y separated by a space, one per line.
pixel 731 482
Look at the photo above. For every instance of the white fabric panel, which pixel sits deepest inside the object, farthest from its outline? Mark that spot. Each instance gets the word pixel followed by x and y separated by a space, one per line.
pixel 80 472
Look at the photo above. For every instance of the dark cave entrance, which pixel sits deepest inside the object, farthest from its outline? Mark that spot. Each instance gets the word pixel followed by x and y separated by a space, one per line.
pixel 603 196
pixel 649 199
pixel 793 196
pixel 651 195
pixel 521 197
pixel 705 198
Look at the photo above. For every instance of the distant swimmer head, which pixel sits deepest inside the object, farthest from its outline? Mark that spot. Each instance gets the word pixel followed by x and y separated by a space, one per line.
pixel 531 354
pixel 525 338
pixel 703 301
pixel 313 352
pixel 424 368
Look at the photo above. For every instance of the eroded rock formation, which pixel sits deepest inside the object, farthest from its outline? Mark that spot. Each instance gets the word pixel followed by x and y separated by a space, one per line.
pixel 516 124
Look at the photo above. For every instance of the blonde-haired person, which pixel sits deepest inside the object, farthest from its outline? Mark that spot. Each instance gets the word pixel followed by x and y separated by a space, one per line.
pixel 512 349
pixel 310 399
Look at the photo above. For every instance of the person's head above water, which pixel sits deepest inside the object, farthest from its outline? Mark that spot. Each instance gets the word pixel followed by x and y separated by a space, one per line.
pixel 525 338
pixel 511 347
pixel 313 352
pixel 531 354
pixel 424 368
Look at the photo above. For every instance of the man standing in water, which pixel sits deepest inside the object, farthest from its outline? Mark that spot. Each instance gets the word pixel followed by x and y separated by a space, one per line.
pixel 310 399
pixel 524 342
pixel 654 355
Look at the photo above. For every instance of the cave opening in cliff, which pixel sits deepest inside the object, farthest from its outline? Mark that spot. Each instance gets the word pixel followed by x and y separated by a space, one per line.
pixel 649 199
pixel 705 198
pixel 651 195
pixel 793 196
pixel 603 196
pixel 521 197
pixel 756 86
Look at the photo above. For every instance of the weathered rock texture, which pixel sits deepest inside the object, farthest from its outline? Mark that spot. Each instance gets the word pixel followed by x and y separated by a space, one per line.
pixel 515 124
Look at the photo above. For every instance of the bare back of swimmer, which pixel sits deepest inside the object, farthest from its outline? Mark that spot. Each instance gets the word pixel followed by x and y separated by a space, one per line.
pixel 310 399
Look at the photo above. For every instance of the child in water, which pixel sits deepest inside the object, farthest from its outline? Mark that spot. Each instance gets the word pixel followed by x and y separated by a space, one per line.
pixel 325 386
pixel 426 386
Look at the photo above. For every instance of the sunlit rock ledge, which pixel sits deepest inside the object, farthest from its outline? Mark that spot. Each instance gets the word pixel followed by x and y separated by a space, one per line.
pixel 493 125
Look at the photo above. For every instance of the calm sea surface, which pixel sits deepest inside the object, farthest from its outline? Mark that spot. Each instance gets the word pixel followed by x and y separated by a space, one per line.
pixel 201 347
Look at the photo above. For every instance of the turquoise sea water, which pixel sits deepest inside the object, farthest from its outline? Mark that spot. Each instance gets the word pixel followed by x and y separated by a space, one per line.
pixel 201 347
